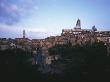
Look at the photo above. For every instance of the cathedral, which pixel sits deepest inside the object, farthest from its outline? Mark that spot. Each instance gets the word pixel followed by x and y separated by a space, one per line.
pixel 77 29
pixel 82 36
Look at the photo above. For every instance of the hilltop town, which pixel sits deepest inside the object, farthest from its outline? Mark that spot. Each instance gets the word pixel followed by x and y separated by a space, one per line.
pixel 75 36
pixel 77 54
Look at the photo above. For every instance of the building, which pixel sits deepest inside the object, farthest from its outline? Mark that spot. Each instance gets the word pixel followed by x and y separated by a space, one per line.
pixel 83 36
pixel 75 36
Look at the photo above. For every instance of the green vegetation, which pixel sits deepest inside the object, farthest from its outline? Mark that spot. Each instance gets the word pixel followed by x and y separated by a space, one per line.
pixel 14 56
pixel 14 65
pixel 83 63
pixel 87 63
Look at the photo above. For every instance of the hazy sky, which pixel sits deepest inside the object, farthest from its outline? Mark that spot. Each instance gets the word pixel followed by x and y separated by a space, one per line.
pixel 42 18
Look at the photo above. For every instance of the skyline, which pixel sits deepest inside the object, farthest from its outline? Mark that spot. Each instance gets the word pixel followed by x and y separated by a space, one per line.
pixel 42 18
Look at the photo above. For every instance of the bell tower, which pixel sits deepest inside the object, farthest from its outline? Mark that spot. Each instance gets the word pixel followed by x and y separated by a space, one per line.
pixel 78 25
pixel 24 34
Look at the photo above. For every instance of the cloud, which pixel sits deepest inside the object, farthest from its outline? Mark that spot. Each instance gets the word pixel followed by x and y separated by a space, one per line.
pixel 12 11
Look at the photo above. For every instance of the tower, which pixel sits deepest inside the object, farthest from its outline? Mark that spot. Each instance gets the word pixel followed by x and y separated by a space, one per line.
pixel 24 33
pixel 78 25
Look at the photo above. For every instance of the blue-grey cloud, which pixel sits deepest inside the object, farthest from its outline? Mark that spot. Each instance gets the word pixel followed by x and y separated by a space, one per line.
pixel 12 11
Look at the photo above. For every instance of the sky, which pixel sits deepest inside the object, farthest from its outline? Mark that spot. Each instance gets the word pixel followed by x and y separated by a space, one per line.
pixel 43 18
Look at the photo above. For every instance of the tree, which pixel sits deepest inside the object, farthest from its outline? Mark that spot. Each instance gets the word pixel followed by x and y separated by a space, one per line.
pixel 81 61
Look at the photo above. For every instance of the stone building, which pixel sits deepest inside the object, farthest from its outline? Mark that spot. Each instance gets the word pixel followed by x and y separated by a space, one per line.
pixel 83 36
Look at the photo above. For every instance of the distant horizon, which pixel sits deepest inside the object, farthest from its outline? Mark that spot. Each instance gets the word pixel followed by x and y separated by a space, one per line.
pixel 44 18
pixel 21 34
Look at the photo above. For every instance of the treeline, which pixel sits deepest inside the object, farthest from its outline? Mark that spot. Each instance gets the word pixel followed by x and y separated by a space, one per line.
pixel 14 56
pixel 14 66
pixel 83 63
pixel 87 63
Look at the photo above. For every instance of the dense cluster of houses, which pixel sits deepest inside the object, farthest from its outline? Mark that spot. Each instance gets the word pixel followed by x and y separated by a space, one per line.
pixel 75 36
